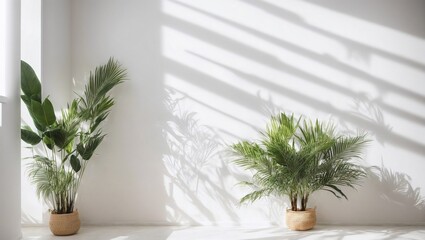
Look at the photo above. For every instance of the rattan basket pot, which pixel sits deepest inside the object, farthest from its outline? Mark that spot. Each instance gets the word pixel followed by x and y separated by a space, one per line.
pixel 64 224
pixel 301 220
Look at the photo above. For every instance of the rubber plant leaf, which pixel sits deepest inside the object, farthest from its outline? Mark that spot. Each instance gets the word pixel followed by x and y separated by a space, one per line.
pixel 49 112
pixel 27 100
pixel 44 113
pixel 37 114
pixel 30 84
pixel 86 151
pixel 58 135
pixel 30 137
pixel 75 163
pixel 49 142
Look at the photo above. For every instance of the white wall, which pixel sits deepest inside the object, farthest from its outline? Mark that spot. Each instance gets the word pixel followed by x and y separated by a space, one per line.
pixel 204 74
pixel 56 51
pixel 32 210
pixel 9 125
pixel 45 45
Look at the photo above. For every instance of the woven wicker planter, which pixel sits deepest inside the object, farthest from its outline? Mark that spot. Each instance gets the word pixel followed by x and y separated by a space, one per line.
pixel 64 224
pixel 301 220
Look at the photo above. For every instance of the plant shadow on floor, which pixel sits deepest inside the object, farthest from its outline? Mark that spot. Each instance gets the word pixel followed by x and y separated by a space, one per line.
pixel 109 233
pixel 338 233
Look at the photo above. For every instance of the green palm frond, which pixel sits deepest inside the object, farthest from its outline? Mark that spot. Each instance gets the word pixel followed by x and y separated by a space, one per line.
pixel 87 150
pixel 296 159
pixel 252 156
pixel 41 171
pixel 94 101
pixel 347 148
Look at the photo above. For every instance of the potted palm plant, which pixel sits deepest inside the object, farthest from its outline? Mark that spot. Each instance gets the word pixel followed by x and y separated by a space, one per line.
pixel 63 145
pixel 296 158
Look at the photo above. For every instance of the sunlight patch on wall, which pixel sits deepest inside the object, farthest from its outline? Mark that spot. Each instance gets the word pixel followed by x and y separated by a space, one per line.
pixel 190 51
pixel 196 160
pixel 403 76
pixel 347 27
pixel 239 15
pixel 233 63
pixel 219 19
pixel 342 69
pixel 216 110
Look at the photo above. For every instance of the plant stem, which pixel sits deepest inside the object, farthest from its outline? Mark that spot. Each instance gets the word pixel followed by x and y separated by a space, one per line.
pixel 294 201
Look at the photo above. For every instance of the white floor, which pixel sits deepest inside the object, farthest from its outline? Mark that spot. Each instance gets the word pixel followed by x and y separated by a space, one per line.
pixel 230 233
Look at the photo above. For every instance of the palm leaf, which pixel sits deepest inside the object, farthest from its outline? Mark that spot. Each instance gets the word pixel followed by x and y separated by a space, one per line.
pixel 104 78
pixel 297 159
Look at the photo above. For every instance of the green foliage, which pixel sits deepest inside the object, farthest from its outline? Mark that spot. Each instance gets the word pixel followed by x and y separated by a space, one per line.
pixel 295 159
pixel 30 84
pixel 43 113
pixel 86 150
pixel 69 140
pixel 75 163
pixel 29 136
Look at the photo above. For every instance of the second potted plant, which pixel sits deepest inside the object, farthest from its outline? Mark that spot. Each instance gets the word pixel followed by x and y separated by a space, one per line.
pixel 63 145
pixel 296 158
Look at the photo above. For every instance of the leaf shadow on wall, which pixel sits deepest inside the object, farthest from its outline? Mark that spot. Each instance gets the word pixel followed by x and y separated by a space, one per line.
pixel 367 108
pixel 357 49
pixel 388 187
pixel 395 189
pixel 384 191
pixel 410 22
pixel 371 121
pixel 192 160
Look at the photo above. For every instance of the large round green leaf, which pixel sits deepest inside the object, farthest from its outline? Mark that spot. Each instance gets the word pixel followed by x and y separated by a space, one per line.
pixel 75 163
pixel 30 137
pixel 30 84
pixel 44 113
pixel 58 135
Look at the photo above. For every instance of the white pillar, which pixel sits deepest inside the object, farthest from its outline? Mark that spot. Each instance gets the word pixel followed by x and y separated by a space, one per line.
pixel 10 152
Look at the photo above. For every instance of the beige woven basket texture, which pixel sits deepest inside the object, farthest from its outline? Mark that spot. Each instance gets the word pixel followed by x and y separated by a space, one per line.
pixel 64 224
pixel 301 220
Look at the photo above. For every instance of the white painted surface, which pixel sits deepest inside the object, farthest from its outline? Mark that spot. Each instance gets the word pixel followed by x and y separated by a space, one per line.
pixel 9 128
pixel 32 208
pixel 56 51
pixel 232 233
pixel 2 50
pixel 46 43
pixel 206 73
